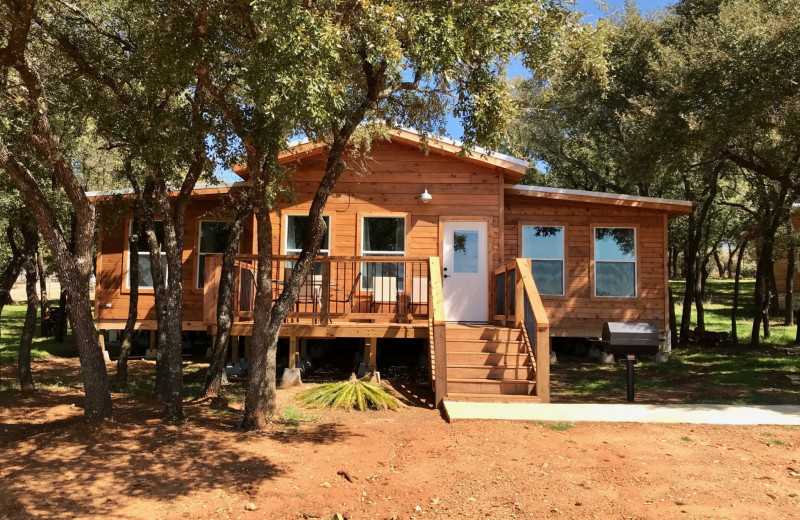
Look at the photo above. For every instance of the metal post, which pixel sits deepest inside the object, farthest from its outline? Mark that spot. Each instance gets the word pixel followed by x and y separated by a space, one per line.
pixel 630 361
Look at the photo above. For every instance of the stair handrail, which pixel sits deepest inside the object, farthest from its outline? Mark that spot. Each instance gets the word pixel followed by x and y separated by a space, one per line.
pixel 531 317
pixel 437 328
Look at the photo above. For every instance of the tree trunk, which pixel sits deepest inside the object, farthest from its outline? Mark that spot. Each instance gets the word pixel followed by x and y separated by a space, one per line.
pixel 61 321
pixel 689 265
pixel 261 385
pixel 765 314
pixel 260 399
pixel 133 306
pixel 63 301
pixel 147 227
pixel 758 299
pixel 11 271
pixel 772 286
pixel 31 235
pixel 673 324
pixel 173 213
pixel 674 263
pixel 43 303
pixel 694 239
pixel 74 265
pixel 720 267
pixel 219 351
pixel 701 273
pixel 735 306
pixel 764 269
pixel 731 254
pixel 789 293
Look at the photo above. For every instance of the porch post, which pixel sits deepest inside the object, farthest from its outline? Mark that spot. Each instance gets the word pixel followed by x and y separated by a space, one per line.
pixel 371 353
pixel 102 338
pixel 234 349
pixel 293 352
pixel 325 287
pixel 247 346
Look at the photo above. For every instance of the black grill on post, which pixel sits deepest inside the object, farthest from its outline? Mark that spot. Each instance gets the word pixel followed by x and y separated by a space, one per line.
pixel 630 340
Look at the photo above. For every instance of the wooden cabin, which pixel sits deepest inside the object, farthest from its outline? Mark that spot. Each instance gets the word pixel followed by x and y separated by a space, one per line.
pixel 433 245
pixel 781 264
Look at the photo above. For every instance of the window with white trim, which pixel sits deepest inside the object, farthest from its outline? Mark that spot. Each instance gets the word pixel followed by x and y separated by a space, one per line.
pixel 383 236
pixel 145 274
pixel 296 232
pixel 213 238
pixel 544 245
pixel 615 262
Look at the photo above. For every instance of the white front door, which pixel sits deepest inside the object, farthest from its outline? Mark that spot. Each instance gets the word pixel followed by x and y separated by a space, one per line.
pixel 465 274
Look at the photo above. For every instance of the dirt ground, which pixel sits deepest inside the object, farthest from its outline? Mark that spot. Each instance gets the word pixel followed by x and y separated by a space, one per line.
pixel 407 464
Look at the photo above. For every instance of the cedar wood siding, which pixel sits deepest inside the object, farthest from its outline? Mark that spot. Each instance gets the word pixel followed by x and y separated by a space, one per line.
pixel 579 313
pixel 112 265
pixel 780 264
pixel 398 173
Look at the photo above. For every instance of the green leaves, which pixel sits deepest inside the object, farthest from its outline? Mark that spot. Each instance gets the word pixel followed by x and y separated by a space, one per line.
pixel 348 395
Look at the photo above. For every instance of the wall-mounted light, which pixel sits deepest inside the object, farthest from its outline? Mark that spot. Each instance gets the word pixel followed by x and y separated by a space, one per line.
pixel 425 197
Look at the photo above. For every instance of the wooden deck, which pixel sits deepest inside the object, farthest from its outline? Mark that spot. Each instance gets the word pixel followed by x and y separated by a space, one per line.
pixel 507 361
pixel 339 330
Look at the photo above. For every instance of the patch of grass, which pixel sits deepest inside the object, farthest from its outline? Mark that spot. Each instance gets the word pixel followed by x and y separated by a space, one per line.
pixel 11 324
pixel 776 442
pixel 718 305
pixel 140 387
pixel 735 375
pixel 9 386
pixel 292 417
pixel 686 438
pixel 221 411
pixel 57 386
pixel 558 427
pixel 194 379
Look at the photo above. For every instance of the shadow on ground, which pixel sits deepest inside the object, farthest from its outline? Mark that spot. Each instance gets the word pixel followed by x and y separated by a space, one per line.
pixel 55 466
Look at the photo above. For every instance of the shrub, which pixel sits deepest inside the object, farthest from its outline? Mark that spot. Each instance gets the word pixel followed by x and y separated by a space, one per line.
pixel 355 393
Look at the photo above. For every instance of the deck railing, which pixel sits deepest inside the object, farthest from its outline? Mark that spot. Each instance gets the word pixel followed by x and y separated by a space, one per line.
pixel 504 294
pixel 374 288
pixel 518 304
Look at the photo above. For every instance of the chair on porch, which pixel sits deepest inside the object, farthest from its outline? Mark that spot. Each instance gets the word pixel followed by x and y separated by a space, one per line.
pixel 418 297
pixel 308 291
pixel 384 291
pixel 349 298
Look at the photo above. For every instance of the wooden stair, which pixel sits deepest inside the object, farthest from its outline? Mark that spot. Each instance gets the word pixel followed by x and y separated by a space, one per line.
pixel 488 363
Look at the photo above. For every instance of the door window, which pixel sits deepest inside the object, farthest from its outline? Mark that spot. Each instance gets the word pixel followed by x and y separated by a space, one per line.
pixel 465 251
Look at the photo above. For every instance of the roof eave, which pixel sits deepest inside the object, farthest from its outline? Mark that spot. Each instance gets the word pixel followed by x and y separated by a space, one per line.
pixel 199 190
pixel 673 208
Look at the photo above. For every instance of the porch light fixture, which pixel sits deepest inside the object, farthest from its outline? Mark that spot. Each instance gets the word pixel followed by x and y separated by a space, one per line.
pixel 425 197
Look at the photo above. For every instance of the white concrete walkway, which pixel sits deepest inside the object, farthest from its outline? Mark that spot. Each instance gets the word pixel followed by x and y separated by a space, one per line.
pixel 644 413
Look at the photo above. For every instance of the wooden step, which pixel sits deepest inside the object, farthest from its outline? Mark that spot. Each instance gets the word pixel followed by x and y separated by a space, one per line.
pixel 489 372
pixel 482 345
pixel 492 398
pixel 490 386
pixel 487 358
pixel 485 332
